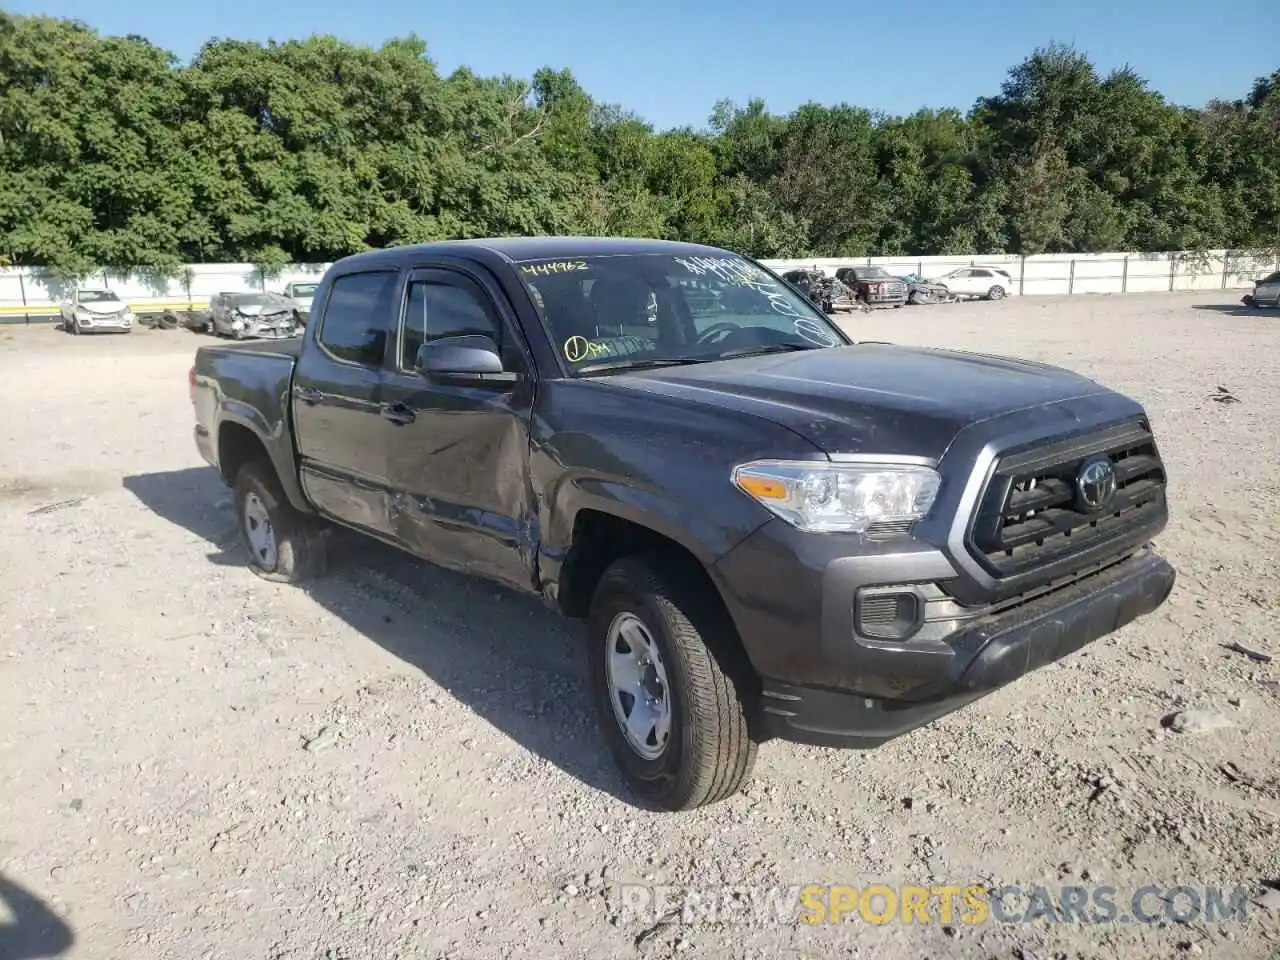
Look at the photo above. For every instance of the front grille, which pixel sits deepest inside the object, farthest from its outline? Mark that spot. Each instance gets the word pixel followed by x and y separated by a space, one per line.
pixel 1032 513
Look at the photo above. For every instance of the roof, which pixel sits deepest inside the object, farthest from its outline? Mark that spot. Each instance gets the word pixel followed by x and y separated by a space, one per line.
pixel 517 249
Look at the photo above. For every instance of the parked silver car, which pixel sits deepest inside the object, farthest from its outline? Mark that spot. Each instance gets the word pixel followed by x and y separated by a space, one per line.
pixel 95 311
pixel 302 294
pixel 1266 292
pixel 246 315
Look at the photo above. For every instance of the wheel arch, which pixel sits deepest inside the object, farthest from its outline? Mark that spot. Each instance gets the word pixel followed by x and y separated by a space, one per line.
pixel 238 442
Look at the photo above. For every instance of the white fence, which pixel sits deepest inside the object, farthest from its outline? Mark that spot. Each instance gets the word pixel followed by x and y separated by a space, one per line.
pixel 32 294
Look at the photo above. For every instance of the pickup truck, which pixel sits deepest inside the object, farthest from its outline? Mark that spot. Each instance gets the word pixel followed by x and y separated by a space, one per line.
pixel 770 530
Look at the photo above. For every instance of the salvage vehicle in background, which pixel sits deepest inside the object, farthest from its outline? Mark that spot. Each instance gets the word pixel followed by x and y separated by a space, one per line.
pixel 251 315
pixel 828 293
pixel 301 294
pixel 90 310
pixel 769 529
pixel 1266 292
pixel 921 291
pixel 986 283
pixel 874 286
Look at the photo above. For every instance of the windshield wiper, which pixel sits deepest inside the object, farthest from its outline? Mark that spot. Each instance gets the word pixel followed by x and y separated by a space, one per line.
pixel 638 363
pixel 764 348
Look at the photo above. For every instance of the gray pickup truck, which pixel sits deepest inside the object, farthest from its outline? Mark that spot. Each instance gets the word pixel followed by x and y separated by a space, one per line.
pixel 769 530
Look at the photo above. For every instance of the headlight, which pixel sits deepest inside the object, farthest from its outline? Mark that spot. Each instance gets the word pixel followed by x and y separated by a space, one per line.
pixel 838 497
pixel 81 313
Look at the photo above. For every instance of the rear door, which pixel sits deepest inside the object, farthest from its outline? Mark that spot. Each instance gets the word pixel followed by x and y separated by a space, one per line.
pixel 338 427
pixel 458 454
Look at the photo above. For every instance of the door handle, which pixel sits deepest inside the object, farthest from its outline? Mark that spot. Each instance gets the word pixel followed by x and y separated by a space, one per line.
pixel 308 395
pixel 398 414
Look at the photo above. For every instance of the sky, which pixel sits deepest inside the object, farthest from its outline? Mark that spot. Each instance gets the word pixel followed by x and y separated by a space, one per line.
pixel 671 61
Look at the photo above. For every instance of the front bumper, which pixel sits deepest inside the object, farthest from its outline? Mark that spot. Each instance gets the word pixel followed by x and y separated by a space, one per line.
pixel 104 324
pixel 272 330
pixel 885 298
pixel 982 656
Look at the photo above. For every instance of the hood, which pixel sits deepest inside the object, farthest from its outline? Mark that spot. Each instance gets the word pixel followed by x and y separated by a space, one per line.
pixel 870 397
pixel 103 308
pixel 263 306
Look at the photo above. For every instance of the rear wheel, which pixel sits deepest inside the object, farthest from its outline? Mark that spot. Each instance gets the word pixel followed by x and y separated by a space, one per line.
pixel 995 293
pixel 675 695
pixel 284 545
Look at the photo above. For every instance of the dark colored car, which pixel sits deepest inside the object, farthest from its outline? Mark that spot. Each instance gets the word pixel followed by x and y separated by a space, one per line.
pixel 768 529
pixel 826 292
pixel 874 286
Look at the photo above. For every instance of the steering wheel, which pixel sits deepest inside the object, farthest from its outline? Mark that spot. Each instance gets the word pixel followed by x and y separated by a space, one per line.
pixel 714 331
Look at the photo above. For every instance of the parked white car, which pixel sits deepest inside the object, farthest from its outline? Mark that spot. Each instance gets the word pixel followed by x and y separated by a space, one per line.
pixel 302 294
pixel 989 283
pixel 95 311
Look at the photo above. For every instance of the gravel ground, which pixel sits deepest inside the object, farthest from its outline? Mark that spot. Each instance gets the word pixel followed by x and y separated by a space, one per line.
pixel 400 762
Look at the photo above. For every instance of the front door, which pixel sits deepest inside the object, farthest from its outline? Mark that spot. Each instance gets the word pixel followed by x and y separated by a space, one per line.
pixel 458 455
pixel 338 424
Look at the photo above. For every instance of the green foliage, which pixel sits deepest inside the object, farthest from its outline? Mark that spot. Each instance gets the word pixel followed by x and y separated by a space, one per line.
pixel 115 156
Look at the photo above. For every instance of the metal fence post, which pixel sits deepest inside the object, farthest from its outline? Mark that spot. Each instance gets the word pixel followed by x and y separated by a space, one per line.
pixel 1022 275
pixel 1173 270
pixel 1071 278
pixel 1124 275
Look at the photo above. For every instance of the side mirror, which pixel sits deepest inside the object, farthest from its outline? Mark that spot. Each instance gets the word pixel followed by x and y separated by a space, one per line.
pixel 470 358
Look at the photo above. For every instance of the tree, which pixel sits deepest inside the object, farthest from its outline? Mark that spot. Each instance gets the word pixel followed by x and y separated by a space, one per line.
pixel 115 156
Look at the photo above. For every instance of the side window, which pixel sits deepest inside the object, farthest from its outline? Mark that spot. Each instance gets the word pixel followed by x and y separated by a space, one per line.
pixel 354 326
pixel 980 273
pixel 436 310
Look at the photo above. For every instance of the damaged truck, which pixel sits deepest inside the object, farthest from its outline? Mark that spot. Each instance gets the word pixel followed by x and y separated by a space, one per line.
pixel 767 528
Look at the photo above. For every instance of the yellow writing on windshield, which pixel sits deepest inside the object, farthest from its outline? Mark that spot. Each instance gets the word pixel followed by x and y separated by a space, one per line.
pixel 579 348
pixel 559 266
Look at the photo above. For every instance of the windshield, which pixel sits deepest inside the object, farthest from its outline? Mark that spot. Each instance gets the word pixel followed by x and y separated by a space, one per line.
pixel 872 273
pixel 98 296
pixel 658 308
pixel 305 289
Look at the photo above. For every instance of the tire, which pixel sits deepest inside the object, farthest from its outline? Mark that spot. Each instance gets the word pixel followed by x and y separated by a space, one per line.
pixel 167 321
pixel 996 293
pixel 297 541
pixel 711 692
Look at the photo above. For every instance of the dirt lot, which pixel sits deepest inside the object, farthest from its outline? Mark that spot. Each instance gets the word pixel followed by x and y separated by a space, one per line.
pixel 401 763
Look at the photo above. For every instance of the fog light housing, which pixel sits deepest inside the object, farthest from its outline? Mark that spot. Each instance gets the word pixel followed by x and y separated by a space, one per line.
pixel 887 613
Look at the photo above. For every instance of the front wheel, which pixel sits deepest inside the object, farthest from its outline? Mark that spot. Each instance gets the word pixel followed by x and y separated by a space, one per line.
pixel 995 293
pixel 284 545
pixel 675 694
